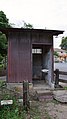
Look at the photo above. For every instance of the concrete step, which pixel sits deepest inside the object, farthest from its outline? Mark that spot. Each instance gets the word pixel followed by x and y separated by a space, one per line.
pixel 45 95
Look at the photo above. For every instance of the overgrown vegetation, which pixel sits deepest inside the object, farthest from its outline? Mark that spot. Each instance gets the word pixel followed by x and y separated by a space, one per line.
pixel 27 25
pixel 16 110
pixel 65 87
pixel 4 23
pixel 63 44
pixel 56 54
pixel 12 111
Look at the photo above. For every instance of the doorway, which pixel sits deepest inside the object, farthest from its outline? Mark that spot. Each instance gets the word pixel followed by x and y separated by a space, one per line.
pixel 40 59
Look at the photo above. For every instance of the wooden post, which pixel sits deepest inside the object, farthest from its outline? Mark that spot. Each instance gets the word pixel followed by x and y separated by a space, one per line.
pixel 26 95
pixel 57 78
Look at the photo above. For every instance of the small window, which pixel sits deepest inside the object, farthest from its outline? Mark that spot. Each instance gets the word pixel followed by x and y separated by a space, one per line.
pixel 36 51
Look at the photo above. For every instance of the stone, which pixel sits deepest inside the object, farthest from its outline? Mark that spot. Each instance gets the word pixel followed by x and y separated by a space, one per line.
pixel 60 95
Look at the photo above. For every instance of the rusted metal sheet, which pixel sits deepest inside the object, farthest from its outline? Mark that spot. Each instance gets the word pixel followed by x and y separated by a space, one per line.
pixel 19 58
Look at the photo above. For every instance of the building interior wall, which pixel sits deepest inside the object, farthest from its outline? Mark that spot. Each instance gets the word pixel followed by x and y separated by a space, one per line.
pixel 41 61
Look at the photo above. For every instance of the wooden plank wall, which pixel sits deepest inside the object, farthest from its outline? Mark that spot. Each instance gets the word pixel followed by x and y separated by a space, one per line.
pixel 19 58
pixel 20 54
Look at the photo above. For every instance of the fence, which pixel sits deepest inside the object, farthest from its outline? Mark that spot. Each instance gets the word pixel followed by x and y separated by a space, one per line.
pixel 57 79
pixel 26 95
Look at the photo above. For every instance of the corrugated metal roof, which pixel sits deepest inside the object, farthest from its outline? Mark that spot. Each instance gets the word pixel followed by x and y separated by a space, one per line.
pixel 53 32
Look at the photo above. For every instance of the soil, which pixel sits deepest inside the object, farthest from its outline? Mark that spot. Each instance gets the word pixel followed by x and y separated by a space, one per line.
pixel 43 109
pixel 51 109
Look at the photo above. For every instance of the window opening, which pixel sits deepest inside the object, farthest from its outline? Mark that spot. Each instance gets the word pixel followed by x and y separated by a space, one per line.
pixel 37 51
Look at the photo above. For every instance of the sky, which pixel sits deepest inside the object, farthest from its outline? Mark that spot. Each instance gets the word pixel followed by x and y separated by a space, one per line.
pixel 49 14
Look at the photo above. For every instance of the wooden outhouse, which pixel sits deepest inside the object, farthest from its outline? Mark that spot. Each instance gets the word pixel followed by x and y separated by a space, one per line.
pixel 30 54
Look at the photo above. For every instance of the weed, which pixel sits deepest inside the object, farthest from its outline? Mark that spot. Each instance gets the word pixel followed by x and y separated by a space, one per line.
pixel 65 87
pixel 13 111
pixel 55 101
pixel 47 115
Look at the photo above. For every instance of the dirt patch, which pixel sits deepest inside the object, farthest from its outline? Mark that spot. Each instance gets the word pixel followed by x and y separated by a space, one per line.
pixel 51 109
pixel 39 109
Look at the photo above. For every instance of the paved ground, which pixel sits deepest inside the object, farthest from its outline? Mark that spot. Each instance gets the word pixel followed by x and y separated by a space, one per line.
pixel 60 95
pixel 63 84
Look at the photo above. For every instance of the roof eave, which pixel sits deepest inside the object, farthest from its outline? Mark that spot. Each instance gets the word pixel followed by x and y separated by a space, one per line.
pixel 53 32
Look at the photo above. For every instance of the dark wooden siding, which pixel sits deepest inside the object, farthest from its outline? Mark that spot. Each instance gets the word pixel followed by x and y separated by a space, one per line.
pixel 37 66
pixel 20 54
pixel 19 58
pixel 41 38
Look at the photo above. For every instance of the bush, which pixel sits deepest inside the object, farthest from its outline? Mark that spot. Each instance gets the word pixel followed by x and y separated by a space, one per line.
pixel 14 111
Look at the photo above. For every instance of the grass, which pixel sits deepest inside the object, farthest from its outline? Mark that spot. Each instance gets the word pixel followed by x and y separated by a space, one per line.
pixel 65 87
pixel 47 115
pixel 2 84
pixel 34 112
pixel 12 112
pixel 1 66
pixel 55 101
pixel 16 110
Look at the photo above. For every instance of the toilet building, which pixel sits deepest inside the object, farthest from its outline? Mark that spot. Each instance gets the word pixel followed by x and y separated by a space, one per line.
pixel 30 54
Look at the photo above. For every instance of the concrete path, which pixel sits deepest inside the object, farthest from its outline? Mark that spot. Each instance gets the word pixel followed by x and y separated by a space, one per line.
pixel 60 95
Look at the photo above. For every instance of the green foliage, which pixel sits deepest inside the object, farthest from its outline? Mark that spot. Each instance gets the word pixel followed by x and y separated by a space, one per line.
pixel 63 44
pixel 4 22
pixel 3 44
pixel 65 87
pixel 3 40
pixel 1 58
pixel 34 112
pixel 3 48
pixel 12 112
pixel 56 54
pixel 2 84
pixel 27 25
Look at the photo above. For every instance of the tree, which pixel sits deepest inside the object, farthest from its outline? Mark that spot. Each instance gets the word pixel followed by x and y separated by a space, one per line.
pixel 27 25
pixel 3 44
pixel 63 44
pixel 4 23
pixel 56 53
pixel 1 58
